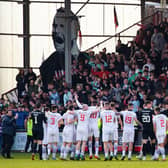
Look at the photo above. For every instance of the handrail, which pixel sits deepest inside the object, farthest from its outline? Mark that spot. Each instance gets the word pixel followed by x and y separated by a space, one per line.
pixel 13 67
pixel 115 35
pixel 46 35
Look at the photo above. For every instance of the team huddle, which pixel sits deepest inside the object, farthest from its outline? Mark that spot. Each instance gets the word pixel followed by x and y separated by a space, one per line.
pixel 81 125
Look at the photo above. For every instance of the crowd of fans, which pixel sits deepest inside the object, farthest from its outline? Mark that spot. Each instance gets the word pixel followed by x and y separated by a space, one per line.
pixel 136 72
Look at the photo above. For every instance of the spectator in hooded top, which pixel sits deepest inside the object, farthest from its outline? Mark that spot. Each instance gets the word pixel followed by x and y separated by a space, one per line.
pixel 54 97
pixel 164 61
pixel 121 48
pixel 30 76
pixel 158 38
pixel 149 64
pixel 67 96
pixel 32 88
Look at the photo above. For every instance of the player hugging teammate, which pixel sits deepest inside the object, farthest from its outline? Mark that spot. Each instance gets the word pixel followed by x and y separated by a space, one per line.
pixel 81 125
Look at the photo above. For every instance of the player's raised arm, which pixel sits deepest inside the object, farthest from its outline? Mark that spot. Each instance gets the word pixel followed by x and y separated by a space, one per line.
pixel 77 101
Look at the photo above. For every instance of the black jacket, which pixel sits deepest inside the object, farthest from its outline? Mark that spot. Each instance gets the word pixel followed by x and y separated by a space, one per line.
pixel 8 126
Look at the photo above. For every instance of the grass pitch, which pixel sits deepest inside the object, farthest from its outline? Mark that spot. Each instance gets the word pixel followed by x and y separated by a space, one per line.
pixel 23 160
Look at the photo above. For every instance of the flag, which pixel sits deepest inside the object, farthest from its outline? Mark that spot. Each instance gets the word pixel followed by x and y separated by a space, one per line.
pixel 80 38
pixel 115 18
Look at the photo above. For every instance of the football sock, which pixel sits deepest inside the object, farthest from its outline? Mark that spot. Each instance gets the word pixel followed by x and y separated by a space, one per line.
pixel 44 152
pixel 157 152
pixel 72 150
pixel 97 148
pixel 111 153
pixel 62 151
pixel 106 154
pixel 162 151
pixel 115 148
pixel 90 147
pixel 34 147
pixel 77 152
pixel 144 149
pixel 123 152
pixel 153 149
pixel 129 154
pixel 54 150
pixel 49 149
pixel 66 151
pixel 40 151
pixel 82 153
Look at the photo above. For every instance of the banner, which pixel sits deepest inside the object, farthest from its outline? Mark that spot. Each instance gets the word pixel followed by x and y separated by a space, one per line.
pixel 19 141
pixel 21 137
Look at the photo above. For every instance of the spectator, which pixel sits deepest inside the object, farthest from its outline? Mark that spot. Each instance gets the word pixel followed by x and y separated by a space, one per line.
pixel 117 92
pixel 30 76
pixel 54 97
pixel 45 99
pixel 32 88
pixel 164 61
pixel 2 114
pixel 20 78
pixel 82 94
pixel 105 96
pixel 158 99
pixel 67 96
pixel 150 66
pixel 121 48
pixel 136 103
pixel 158 39
pixel 103 74
pixel 139 38
pixel 140 59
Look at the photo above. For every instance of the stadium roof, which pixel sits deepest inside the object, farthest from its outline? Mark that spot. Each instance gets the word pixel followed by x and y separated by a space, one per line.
pixel 158 1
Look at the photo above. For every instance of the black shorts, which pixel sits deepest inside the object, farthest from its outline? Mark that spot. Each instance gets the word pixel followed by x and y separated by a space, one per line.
pixel 37 133
pixel 148 133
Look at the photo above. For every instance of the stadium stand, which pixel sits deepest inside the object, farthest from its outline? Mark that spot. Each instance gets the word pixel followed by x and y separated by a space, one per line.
pixel 137 72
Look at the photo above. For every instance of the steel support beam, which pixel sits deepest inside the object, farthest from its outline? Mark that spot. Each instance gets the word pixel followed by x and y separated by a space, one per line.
pixel 68 76
pixel 26 32
pixel 142 10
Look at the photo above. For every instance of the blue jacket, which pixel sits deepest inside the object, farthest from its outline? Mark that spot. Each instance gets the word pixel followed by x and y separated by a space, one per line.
pixel 8 126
